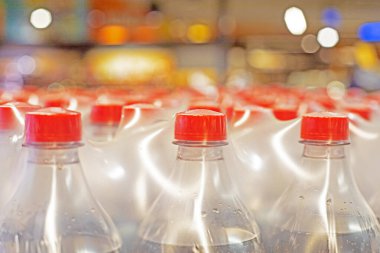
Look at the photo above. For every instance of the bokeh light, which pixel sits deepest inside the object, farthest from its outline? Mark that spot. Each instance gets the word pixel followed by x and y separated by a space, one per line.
pixel 310 44
pixel 328 37
pixel 41 18
pixel 295 21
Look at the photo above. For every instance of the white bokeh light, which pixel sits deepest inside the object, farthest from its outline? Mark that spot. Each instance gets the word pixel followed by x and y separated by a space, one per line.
pixel 295 21
pixel 328 37
pixel 41 18
pixel 26 65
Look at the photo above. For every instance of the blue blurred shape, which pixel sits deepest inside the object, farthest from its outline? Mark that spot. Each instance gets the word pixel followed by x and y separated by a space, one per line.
pixel 331 17
pixel 370 32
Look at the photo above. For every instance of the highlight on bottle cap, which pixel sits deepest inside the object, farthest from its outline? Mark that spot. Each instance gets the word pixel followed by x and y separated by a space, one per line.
pixel 200 125
pixel 13 113
pixel 109 114
pixel 53 124
pixel 325 126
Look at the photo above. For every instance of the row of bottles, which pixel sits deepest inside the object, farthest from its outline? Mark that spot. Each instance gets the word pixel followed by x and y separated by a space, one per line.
pixel 151 182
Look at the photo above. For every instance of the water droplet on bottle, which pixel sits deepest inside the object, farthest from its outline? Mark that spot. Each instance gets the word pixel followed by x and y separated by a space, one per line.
pixel 215 210
pixel 92 210
pixel 301 197
pixel 73 219
pixel 204 214
pixel 328 201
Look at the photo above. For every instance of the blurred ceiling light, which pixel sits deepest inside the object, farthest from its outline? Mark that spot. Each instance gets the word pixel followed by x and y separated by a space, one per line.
pixel 309 44
pixel 331 17
pixel 199 33
pixel 26 65
pixel 112 35
pixel 328 37
pixel 295 21
pixel 369 32
pixel 41 18
pixel 336 90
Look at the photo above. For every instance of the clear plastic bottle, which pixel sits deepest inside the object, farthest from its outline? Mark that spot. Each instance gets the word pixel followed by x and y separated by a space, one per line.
pixel 200 211
pixel 53 209
pixel 104 121
pixel 11 137
pixel 127 173
pixel 262 156
pixel 323 211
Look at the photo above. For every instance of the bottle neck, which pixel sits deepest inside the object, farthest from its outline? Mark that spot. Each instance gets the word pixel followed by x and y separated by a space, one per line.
pixel 324 151
pixel 326 167
pixel 200 167
pixel 199 153
pixel 49 154
pixel 103 132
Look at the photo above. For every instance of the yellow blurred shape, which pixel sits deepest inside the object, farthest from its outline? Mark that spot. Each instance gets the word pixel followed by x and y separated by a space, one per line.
pixel 365 55
pixel 266 59
pixel 199 33
pixel 129 66
pixel 112 35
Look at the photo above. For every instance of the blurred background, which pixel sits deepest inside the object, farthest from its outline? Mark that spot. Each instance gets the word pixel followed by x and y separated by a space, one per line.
pixel 171 43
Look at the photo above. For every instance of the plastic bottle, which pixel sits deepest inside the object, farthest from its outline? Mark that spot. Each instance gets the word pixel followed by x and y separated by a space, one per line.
pixel 323 211
pixel 53 209
pixel 262 157
pixel 11 137
pixel 104 121
pixel 127 173
pixel 199 212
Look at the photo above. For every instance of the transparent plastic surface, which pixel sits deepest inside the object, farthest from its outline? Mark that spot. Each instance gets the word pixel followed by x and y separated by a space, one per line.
pixel 11 156
pixel 262 158
pixel 365 136
pixel 323 211
pixel 100 132
pixel 199 212
pixel 53 209
pixel 127 173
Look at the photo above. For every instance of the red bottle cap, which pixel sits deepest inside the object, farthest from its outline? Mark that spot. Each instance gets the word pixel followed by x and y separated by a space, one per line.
pixel 7 118
pixel 13 113
pixel 200 125
pixel 362 110
pixel 106 114
pixel 324 126
pixel 57 102
pixel 285 113
pixel 53 125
